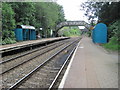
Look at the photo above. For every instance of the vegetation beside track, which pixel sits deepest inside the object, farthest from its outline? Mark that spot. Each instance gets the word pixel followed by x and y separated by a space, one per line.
pixel 69 31
pixel 114 40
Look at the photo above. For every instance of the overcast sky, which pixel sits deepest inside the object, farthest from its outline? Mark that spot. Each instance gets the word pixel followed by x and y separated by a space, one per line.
pixel 72 9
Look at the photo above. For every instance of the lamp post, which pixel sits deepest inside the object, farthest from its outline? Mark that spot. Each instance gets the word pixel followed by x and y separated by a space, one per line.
pixel 51 33
pixel 43 26
pixel 41 32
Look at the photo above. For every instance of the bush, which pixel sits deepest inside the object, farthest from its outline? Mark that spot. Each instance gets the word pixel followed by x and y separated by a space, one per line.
pixel 8 41
pixel 113 29
pixel 66 31
pixel 89 33
pixel 8 37
pixel 113 36
pixel 8 21
pixel 113 44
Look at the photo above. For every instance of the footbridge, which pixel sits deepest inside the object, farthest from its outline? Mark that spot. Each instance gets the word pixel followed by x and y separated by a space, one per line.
pixel 72 23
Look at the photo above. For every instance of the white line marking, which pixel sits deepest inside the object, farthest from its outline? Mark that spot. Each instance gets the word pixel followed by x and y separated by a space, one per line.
pixel 81 47
pixel 68 68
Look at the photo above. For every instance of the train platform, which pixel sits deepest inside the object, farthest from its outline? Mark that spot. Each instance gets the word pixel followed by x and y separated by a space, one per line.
pixel 91 66
pixel 18 45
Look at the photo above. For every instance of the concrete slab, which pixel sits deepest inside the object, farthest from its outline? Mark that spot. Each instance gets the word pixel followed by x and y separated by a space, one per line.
pixel 92 67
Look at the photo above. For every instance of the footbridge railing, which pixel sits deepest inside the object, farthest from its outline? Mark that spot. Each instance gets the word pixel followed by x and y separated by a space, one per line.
pixel 72 23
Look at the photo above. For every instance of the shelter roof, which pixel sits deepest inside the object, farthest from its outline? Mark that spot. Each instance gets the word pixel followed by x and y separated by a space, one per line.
pixel 25 27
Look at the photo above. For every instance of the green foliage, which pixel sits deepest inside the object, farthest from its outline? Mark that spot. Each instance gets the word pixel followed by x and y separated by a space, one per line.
pixel 107 12
pixel 8 41
pixel 8 22
pixel 8 37
pixel 24 12
pixel 69 31
pixel 113 34
pixel 114 30
pixel 66 34
pixel 89 33
pixel 113 44
pixel 48 14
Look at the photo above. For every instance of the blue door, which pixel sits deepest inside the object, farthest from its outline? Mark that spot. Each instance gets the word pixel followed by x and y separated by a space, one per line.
pixel 19 34
pixel 25 34
pixel 32 35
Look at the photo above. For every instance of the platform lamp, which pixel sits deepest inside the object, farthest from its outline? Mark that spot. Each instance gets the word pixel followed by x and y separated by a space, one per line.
pixel 40 29
pixel 41 32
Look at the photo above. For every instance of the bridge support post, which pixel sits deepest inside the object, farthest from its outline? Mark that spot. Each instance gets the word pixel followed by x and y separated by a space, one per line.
pixel 56 34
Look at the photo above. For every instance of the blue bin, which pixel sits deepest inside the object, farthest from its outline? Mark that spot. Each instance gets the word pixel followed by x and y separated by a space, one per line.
pixel 99 33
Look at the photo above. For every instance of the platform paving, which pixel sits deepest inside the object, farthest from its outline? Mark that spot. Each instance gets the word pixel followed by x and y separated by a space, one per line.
pixel 91 67
pixel 28 43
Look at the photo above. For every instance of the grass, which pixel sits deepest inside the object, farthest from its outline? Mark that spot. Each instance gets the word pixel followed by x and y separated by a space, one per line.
pixel 113 44
pixel 113 47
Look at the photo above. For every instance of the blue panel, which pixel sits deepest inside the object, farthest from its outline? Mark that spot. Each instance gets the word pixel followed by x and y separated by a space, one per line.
pixel 32 35
pixel 19 34
pixel 99 34
pixel 26 34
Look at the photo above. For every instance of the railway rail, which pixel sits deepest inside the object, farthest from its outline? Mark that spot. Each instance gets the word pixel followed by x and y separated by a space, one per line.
pixel 49 62
pixel 12 57
pixel 37 52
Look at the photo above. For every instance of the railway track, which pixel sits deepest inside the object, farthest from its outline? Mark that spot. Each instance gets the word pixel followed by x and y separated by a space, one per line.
pixel 24 71
pixel 12 57
pixel 18 60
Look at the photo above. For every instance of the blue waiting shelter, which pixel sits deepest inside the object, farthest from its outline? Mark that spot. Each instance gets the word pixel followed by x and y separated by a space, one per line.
pixel 99 33
pixel 23 32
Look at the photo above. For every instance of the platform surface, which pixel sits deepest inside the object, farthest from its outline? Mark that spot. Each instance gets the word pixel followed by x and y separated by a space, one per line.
pixel 91 67
pixel 26 43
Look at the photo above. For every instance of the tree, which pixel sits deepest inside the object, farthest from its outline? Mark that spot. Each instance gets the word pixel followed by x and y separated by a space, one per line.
pixel 48 14
pixel 107 12
pixel 91 10
pixel 24 12
pixel 8 24
pixel 7 17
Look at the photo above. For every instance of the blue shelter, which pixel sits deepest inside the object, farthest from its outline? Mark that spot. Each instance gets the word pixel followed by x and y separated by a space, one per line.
pixel 99 33
pixel 23 32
